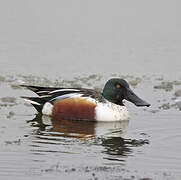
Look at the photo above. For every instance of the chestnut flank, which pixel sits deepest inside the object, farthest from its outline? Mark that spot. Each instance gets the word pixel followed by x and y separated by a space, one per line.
pixel 74 109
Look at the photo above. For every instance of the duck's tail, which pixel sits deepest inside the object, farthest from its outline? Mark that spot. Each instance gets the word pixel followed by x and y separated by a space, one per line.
pixel 43 97
pixel 37 102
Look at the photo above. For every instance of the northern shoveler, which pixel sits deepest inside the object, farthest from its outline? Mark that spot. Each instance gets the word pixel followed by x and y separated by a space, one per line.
pixel 85 104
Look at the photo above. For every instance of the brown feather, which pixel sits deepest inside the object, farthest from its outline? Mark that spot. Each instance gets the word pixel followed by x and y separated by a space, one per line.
pixel 74 109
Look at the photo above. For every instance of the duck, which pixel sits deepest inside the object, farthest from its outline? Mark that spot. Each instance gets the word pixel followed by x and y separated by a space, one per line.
pixel 85 104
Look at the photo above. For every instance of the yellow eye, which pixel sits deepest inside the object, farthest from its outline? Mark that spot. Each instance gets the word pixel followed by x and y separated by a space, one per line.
pixel 118 86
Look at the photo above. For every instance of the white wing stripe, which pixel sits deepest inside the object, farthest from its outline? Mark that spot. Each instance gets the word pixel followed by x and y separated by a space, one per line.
pixel 42 91
pixel 60 90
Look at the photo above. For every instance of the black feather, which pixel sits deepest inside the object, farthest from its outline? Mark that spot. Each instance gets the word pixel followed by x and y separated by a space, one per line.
pixel 38 89
pixel 39 100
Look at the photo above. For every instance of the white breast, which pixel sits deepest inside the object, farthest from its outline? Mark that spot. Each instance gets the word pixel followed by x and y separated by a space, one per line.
pixel 111 112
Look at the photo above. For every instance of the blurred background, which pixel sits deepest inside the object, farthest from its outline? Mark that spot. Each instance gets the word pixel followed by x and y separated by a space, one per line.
pixel 64 38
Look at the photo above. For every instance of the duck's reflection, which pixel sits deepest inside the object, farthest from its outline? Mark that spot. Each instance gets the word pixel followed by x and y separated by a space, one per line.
pixel 109 135
pixel 79 129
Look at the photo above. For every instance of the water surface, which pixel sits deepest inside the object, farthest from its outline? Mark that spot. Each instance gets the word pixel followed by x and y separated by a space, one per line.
pixel 35 146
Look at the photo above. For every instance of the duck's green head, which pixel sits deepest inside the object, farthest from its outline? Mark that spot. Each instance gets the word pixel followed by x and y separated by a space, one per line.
pixel 115 90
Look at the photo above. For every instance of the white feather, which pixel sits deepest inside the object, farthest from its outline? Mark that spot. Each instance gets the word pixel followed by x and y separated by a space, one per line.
pixel 111 112
pixel 30 101
pixel 60 90
pixel 47 109
pixel 42 91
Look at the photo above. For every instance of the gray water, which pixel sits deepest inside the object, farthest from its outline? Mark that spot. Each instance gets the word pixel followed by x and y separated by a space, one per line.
pixel 82 44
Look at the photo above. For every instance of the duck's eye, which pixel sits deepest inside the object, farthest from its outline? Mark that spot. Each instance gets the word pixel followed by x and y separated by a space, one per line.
pixel 118 86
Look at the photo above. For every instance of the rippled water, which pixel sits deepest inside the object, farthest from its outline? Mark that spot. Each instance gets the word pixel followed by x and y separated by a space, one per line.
pixel 35 146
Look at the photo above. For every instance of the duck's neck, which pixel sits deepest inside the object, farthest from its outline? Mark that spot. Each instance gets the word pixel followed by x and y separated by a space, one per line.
pixel 110 99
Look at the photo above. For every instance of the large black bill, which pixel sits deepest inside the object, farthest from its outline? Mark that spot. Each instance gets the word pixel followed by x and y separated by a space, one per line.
pixel 132 97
